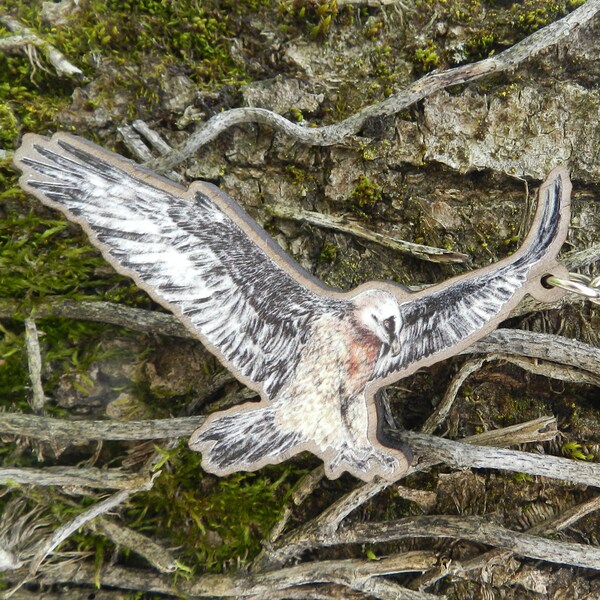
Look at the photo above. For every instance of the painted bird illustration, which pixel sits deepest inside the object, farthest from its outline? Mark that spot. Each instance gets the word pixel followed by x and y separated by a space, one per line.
pixel 315 355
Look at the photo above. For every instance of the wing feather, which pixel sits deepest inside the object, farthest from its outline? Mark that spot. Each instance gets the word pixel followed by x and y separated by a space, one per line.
pixel 193 257
pixel 463 310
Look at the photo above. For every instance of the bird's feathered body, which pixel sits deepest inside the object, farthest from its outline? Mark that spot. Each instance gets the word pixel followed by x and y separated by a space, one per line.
pixel 315 355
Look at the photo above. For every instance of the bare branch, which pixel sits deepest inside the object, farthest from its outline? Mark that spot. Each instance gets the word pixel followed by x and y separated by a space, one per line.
pixel 476 529
pixel 302 490
pixel 132 137
pixel 457 568
pixel 45 428
pixel 464 456
pixel 443 408
pixel 25 38
pixel 425 499
pixel 538 430
pixel 112 313
pixel 551 370
pixel 433 82
pixel 306 536
pixel 62 533
pixel 34 360
pixel 72 477
pixel 155 140
pixel 345 572
pixel 160 558
pixel 347 225
pixel 554 348
pixel 134 143
pixel 440 450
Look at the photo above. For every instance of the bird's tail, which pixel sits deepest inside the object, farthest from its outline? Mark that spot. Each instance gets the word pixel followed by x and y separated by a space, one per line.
pixel 243 440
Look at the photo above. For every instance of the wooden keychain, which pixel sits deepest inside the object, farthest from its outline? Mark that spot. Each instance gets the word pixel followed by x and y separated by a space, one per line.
pixel 316 355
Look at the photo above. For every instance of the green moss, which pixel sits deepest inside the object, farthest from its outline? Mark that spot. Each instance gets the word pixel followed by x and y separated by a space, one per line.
pixel 296 114
pixel 365 195
pixel 481 46
pixel 295 175
pixel 13 367
pixel 484 28
pixel 45 257
pixel 128 47
pixel 373 28
pixel 531 15
pixel 217 522
pixel 68 346
pixel 314 16
pixel 195 36
pixel 575 450
pixel 328 252
pixel 426 59
pixel 384 67
pixel 9 126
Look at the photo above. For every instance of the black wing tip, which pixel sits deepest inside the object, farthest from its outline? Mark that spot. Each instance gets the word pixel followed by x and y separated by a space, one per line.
pixel 559 181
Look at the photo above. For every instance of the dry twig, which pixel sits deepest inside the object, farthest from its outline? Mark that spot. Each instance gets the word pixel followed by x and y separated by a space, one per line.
pixel 476 529
pixel 46 428
pixel 542 429
pixel 25 41
pixel 78 477
pixel 351 226
pixel 34 360
pixel 160 558
pixel 62 533
pixel 443 408
pixel 349 573
pixel 467 456
pixel 553 348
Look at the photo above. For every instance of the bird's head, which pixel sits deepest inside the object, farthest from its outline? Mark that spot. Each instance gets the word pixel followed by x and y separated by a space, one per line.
pixel 378 312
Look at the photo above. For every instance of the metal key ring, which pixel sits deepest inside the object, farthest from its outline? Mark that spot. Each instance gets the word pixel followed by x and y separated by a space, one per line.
pixel 577 283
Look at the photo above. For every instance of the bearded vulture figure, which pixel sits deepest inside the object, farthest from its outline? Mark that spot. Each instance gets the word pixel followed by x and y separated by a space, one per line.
pixel 315 355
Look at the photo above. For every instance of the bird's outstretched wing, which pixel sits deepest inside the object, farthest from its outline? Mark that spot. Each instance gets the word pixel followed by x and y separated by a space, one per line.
pixel 195 252
pixel 446 319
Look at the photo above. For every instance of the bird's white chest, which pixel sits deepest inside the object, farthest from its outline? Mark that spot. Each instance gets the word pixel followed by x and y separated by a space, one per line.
pixel 332 372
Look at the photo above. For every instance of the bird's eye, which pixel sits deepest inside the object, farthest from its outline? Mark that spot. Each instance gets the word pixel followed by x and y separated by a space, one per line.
pixel 389 324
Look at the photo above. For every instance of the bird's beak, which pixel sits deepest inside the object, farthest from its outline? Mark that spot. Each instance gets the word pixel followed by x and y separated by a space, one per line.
pixel 395 346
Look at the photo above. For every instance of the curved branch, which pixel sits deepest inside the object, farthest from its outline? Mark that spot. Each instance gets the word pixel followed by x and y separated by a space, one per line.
pixel 25 38
pixel 476 529
pixel 80 477
pixel 554 348
pixel 351 573
pixel 345 224
pixel 461 456
pixel 333 134
pixel 47 428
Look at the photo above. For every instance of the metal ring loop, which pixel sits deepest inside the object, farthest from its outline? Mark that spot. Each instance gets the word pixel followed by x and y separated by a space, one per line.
pixel 580 278
pixel 572 285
